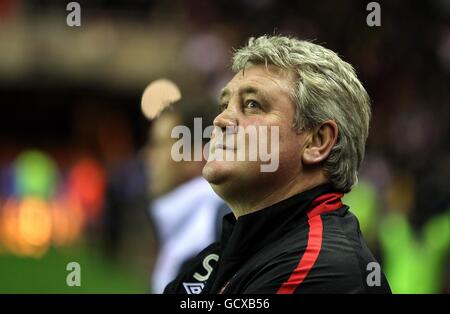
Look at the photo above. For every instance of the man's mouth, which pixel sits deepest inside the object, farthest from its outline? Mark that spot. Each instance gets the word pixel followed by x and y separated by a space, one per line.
pixel 222 146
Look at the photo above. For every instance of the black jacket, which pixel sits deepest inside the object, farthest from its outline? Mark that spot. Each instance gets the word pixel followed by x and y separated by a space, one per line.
pixel 308 243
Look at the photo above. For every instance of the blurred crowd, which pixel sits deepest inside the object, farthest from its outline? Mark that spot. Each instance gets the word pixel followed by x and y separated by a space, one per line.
pixel 73 155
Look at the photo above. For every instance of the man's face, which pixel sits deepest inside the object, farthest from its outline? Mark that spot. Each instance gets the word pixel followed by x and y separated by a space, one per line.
pixel 258 97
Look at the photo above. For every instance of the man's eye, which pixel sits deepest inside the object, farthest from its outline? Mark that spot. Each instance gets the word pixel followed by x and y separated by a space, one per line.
pixel 251 104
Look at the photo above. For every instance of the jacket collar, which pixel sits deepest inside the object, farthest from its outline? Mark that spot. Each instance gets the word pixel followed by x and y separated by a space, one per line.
pixel 249 233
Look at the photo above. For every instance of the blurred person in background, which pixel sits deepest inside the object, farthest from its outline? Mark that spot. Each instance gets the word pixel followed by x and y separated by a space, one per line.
pixel 185 211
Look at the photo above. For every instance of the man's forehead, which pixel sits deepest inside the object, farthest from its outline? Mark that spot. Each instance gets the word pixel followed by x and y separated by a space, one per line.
pixel 261 77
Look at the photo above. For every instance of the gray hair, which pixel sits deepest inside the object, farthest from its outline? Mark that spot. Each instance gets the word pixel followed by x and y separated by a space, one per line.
pixel 326 88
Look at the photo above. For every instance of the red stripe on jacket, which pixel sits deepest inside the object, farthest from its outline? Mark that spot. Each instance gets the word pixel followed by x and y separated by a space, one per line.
pixel 323 204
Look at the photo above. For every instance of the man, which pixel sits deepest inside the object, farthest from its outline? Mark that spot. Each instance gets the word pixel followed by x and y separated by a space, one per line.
pixel 185 211
pixel 289 231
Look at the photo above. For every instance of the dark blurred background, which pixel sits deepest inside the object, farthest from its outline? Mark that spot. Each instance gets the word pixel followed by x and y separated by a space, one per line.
pixel 73 185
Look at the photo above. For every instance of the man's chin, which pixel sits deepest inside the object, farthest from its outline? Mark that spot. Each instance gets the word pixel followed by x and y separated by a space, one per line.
pixel 216 172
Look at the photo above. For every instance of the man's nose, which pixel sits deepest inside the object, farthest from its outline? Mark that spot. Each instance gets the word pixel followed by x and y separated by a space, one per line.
pixel 226 121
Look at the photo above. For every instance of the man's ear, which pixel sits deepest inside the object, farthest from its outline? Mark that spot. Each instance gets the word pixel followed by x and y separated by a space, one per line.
pixel 320 142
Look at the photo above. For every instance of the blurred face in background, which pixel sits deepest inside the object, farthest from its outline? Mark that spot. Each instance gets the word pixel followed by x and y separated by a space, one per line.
pixel 164 173
pixel 259 96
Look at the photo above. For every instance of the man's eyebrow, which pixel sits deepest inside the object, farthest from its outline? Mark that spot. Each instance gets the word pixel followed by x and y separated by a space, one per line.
pixel 242 91
pixel 252 90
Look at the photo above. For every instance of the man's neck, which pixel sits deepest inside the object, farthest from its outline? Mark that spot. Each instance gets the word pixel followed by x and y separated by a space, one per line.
pixel 261 201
